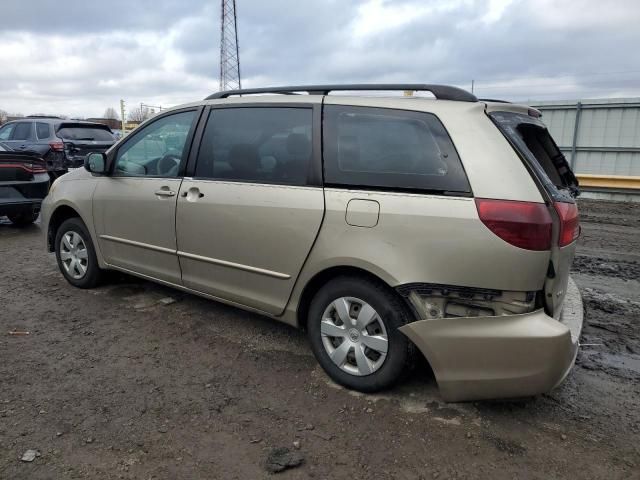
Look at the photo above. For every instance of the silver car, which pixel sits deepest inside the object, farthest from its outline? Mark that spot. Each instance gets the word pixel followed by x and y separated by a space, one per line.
pixel 383 226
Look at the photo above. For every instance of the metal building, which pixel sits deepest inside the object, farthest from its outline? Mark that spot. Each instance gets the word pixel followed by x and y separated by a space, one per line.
pixel 598 137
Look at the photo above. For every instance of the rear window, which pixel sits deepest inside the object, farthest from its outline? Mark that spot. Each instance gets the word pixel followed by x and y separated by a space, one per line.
pixel 42 130
pixel 85 133
pixel 257 144
pixel 530 137
pixel 390 149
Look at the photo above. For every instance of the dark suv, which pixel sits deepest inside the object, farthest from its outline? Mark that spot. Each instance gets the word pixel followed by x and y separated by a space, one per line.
pixel 63 144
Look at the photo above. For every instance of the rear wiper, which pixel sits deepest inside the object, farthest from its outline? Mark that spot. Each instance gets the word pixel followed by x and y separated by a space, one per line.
pixel 86 138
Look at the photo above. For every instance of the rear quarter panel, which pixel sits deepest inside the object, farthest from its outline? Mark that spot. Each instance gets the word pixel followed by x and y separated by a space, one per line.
pixel 422 238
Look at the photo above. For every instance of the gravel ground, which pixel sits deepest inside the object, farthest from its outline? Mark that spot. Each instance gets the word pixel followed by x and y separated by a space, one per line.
pixel 114 383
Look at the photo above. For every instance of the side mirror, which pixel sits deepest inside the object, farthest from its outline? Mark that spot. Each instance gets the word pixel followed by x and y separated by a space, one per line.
pixel 96 163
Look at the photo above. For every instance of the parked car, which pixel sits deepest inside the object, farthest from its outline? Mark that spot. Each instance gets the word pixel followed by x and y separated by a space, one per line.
pixel 63 144
pixel 378 224
pixel 24 182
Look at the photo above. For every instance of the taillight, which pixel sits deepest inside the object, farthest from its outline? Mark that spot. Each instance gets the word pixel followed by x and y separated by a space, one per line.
pixel 569 222
pixel 57 146
pixel 523 224
pixel 34 168
pixel 27 167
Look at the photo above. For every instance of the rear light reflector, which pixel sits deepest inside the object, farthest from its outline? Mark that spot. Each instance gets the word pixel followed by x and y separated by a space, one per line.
pixel 523 224
pixel 569 222
pixel 57 146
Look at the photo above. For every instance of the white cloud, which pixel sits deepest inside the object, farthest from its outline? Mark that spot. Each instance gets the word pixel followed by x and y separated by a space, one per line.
pixel 162 52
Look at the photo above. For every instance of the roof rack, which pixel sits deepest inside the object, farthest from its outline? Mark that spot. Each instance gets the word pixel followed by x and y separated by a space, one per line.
pixel 441 92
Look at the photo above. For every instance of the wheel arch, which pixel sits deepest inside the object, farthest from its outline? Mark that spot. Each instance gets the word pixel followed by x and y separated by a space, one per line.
pixel 60 214
pixel 324 276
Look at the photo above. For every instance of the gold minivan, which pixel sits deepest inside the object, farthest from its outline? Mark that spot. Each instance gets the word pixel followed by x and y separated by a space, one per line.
pixel 379 224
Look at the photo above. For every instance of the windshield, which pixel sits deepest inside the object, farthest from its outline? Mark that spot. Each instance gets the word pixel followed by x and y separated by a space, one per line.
pixel 85 133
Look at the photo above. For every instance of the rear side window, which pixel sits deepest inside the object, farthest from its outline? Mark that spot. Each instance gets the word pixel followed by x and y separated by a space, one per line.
pixel 22 131
pixel 42 130
pixel 257 144
pixel 85 133
pixel 532 141
pixel 389 149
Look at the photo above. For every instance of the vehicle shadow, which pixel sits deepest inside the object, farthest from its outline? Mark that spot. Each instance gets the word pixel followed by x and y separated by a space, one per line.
pixel 8 228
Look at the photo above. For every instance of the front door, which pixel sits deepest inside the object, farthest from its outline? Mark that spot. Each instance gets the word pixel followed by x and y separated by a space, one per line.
pixel 134 208
pixel 248 219
pixel 21 137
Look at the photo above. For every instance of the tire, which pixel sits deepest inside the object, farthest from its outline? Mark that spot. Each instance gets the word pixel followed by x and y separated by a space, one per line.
pixel 364 369
pixel 85 273
pixel 24 218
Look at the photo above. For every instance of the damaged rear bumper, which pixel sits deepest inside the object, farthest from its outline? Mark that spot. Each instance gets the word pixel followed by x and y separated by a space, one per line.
pixel 500 357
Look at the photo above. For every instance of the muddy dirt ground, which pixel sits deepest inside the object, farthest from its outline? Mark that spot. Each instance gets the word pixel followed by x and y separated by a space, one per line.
pixel 113 383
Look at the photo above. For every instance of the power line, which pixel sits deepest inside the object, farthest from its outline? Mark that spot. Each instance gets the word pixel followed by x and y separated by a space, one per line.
pixel 564 75
pixel 543 85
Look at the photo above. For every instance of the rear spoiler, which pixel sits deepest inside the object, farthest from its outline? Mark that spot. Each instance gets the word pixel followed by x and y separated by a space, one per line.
pixel 101 126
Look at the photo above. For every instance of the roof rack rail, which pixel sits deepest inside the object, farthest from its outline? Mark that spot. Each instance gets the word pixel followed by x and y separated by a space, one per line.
pixel 441 92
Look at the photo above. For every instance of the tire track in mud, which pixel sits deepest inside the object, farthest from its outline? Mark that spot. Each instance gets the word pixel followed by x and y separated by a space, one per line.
pixel 609 278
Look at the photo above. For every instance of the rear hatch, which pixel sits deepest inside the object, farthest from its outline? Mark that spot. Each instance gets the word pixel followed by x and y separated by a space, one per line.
pixel 558 185
pixel 22 177
pixel 80 139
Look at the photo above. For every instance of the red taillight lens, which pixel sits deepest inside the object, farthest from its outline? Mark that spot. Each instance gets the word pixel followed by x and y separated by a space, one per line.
pixel 27 167
pixel 523 224
pixel 569 222
pixel 35 168
pixel 57 146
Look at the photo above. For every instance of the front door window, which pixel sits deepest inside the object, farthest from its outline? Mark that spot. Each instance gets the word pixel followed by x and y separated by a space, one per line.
pixel 157 150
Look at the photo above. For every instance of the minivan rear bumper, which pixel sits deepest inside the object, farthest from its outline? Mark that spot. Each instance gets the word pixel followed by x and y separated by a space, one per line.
pixel 522 355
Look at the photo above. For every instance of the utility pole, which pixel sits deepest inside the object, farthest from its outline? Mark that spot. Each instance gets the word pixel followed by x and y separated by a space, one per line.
pixel 229 50
pixel 122 112
pixel 472 85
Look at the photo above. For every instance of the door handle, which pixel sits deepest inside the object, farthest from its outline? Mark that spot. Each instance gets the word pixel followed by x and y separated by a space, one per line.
pixel 165 193
pixel 192 194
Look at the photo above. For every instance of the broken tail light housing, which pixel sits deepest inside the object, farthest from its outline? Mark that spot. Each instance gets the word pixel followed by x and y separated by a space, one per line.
pixel 57 146
pixel 525 225
pixel 569 222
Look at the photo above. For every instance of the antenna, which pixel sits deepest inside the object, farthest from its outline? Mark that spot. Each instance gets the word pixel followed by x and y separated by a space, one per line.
pixel 229 51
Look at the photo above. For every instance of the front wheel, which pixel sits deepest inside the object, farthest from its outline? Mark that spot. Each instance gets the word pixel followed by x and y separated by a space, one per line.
pixel 76 254
pixel 353 329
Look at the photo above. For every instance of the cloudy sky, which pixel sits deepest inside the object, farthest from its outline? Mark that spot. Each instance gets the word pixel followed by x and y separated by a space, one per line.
pixel 78 57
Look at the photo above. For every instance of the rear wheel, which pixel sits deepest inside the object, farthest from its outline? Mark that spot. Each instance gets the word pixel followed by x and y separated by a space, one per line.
pixel 353 329
pixel 24 218
pixel 76 254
